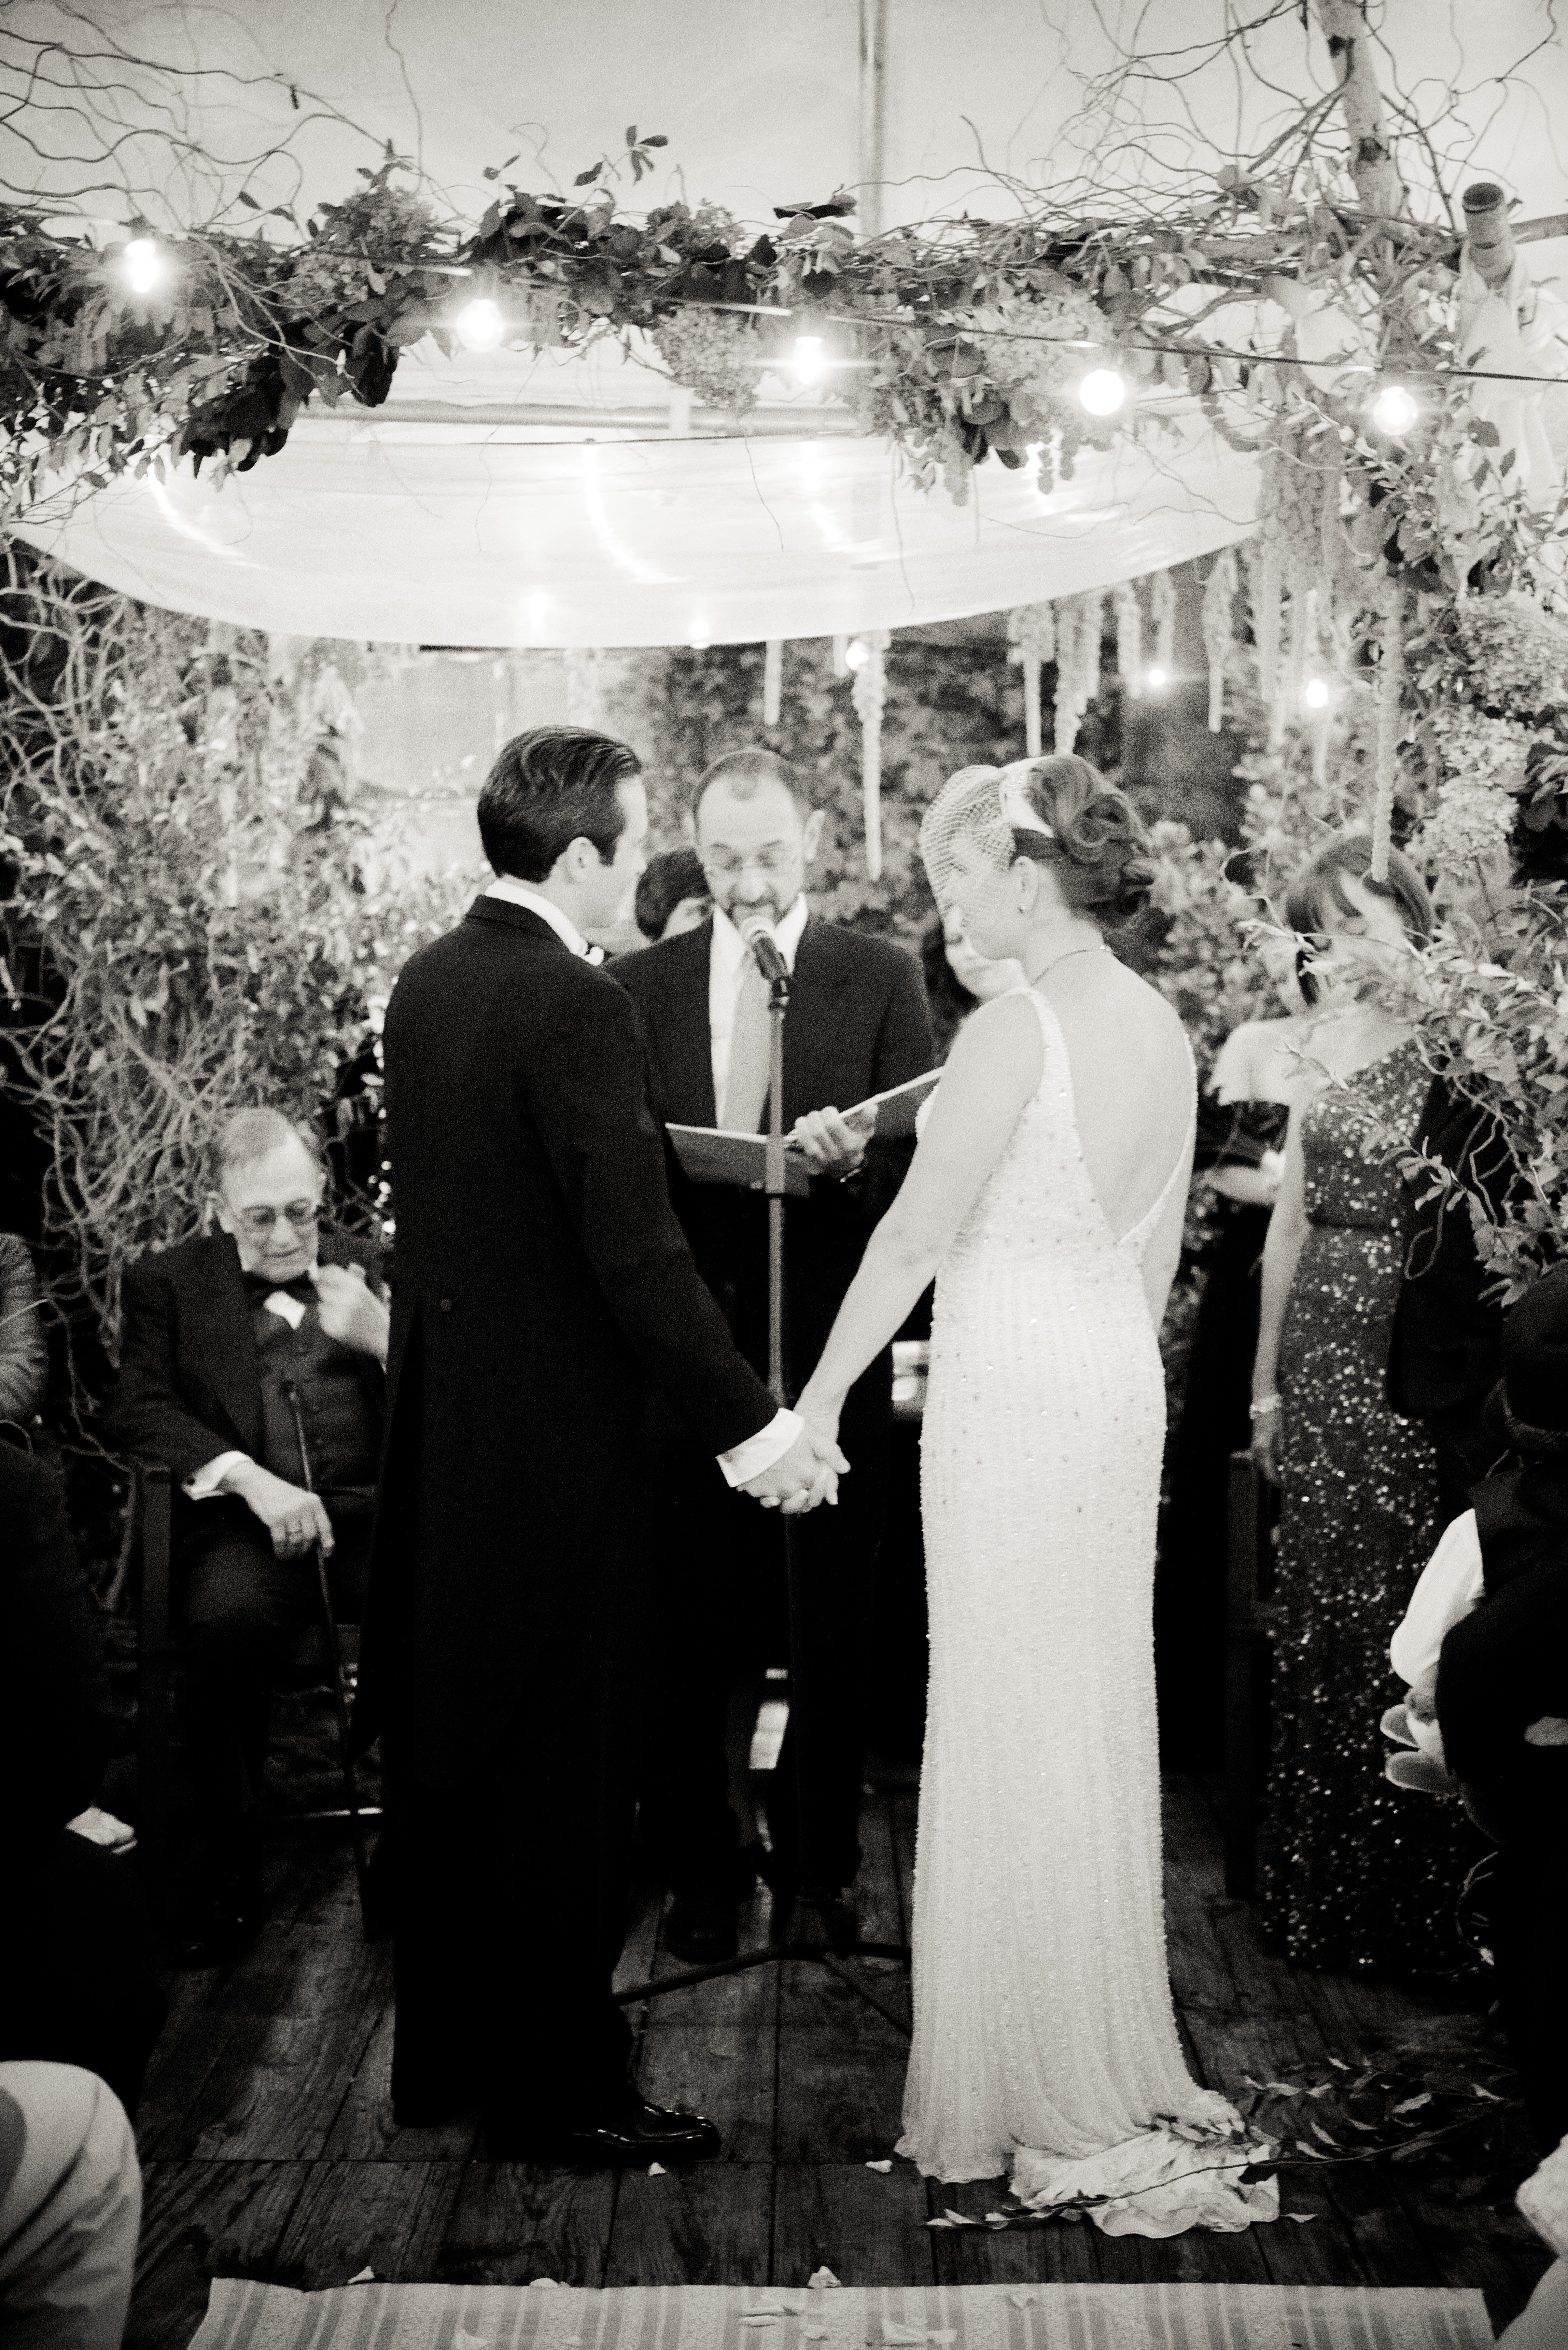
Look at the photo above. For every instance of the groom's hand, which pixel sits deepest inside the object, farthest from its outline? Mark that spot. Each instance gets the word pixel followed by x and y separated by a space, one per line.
pixel 805 1475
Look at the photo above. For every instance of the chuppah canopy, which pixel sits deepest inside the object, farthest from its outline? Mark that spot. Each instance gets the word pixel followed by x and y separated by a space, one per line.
pixel 472 507
pixel 435 533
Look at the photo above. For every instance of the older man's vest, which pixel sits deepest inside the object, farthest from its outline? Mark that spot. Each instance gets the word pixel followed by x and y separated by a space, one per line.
pixel 342 1427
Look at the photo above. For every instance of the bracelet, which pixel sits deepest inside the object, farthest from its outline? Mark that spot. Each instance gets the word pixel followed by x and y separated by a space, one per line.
pixel 1265 1405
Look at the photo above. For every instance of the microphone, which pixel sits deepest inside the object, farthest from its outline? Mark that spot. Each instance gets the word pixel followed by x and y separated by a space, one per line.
pixel 758 933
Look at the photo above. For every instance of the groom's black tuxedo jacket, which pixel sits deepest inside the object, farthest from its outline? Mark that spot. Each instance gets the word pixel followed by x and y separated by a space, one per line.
pixel 541 1281
pixel 857 1022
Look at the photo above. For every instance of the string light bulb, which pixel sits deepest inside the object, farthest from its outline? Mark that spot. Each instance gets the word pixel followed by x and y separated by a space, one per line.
pixel 481 325
pixel 1317 694
pixel 1155 676
pixel 144 264
pixel 1395 410
pixel 807 360
pixel 857 654
pixel 1103 391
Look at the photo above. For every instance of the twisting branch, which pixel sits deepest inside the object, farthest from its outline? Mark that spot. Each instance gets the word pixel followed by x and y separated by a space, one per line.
pixel 1372 164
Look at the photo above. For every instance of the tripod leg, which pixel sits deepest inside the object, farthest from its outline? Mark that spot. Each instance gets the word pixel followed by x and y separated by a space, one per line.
pixel 830 1960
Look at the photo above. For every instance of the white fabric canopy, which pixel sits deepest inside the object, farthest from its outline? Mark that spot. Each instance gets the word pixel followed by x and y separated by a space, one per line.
pixel 443 534
pixel 463 512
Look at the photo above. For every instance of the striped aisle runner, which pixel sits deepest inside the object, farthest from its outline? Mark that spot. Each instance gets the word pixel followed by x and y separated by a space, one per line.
pixel 373 2316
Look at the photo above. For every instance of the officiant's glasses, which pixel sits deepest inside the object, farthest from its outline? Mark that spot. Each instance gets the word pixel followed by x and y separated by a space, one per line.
pixel 767 861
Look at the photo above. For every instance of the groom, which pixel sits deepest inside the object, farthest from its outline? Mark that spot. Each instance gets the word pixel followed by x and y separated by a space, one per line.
pixel 541 1282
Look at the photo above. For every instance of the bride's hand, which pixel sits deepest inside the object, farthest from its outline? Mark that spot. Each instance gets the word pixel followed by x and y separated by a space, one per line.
pixel 820 1413
pixel 1267 1430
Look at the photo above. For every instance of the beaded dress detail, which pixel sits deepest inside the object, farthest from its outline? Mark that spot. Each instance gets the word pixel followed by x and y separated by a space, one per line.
pixel 1046 2037
pixel 1356 1873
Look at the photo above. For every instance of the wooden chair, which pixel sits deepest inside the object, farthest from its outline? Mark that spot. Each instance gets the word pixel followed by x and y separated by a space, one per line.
pixel 324 1652
pixel 1251 1615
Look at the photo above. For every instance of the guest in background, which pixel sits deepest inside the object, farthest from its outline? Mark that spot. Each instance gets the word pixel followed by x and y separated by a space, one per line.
pixel 1502 1691
pixel 1446 1345
pixel 672 894
pixel 857 1024
pixel 80 1980
pixel 1353 1876
pixel 217 1334
pixel 1543 2323
pixel 957 979
pixel 1242 1116
pixel 70 2209
pixel 24 1353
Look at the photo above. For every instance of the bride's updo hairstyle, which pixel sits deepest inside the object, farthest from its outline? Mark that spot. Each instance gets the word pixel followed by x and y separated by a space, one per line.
pixel 1058 812
pixel 1089 834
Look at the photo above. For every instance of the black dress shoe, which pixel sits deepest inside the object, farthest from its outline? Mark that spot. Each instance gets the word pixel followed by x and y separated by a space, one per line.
pixel 703 1928
pixel 634 2132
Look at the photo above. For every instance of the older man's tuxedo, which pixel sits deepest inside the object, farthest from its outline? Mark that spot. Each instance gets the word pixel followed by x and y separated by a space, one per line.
pixel 204 1370
pixel 857 1022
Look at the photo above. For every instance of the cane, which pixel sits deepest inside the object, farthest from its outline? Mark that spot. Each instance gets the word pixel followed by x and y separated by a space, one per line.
pixel 350 1788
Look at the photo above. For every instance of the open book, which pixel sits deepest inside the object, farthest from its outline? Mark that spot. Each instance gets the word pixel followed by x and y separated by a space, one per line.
pixel 721 1154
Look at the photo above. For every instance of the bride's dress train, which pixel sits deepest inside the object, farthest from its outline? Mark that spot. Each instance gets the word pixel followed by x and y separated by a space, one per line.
pixel 1045 2039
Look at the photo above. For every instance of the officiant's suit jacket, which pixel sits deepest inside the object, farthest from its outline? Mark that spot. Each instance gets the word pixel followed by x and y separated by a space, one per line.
pixel 189 1387
pixel 542 1281
pixel 857 1022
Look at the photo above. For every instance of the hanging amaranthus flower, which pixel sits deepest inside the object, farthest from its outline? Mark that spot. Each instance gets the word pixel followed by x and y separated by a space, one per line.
pixel 1162 601
pixel 1129 611
pixel 1078 625
pixel 772 681
pixel 1031 638
pixel 1218 595
pixel 869 695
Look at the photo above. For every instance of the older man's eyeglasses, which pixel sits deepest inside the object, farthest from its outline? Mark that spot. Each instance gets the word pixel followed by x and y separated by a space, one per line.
pixel 767 861
pixel 258 1223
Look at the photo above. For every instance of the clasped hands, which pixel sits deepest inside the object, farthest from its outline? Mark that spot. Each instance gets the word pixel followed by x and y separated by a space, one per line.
pixel 809 1472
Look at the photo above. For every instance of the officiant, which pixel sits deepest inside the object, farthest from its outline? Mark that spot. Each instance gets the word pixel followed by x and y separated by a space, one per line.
pixel 857 1022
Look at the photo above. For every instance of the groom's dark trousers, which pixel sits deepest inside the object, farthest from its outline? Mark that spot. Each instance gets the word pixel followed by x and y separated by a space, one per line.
pixel 857 1022
pixel 542 1281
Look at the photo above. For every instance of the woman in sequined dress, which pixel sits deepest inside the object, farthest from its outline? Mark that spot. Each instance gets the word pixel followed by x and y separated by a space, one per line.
pixel 1242 1118
pixel 1356 1873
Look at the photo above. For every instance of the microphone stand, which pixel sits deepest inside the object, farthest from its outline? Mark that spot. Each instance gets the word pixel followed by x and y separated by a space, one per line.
pixel 334 1657
pixel 805 1932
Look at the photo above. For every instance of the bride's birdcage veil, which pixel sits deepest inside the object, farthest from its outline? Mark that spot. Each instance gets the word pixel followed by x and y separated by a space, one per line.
pixel 1061 810
pixel 968 809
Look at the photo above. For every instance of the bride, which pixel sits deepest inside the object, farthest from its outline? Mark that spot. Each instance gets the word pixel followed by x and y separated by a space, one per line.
pixel 1046 1196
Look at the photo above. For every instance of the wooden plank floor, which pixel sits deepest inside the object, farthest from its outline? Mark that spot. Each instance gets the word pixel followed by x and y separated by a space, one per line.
pixel 269 2148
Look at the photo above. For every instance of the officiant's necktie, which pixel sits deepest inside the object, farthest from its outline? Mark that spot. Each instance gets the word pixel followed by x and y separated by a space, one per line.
pixel 746 1085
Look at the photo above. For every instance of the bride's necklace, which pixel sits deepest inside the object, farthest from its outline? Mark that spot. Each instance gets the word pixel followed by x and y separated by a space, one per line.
pixel 1065 956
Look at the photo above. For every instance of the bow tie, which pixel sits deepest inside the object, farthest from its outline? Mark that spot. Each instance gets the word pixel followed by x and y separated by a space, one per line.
pixel 593 954
pixel 259 1288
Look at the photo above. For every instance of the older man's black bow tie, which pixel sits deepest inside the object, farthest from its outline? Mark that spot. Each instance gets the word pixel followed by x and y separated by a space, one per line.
pixel 259 1288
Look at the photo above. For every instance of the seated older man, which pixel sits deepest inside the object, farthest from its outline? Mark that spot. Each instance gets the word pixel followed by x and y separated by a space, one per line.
pixel 234 1343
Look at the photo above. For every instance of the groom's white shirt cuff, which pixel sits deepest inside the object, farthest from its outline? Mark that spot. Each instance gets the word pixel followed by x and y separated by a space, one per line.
pixel 744 1461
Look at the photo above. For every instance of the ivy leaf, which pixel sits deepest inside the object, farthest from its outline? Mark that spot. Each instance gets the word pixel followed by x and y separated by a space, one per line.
pixel 587 179
pixel 252 203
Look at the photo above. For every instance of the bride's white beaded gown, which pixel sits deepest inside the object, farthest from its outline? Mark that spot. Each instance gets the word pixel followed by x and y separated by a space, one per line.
pixel 1046 2038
